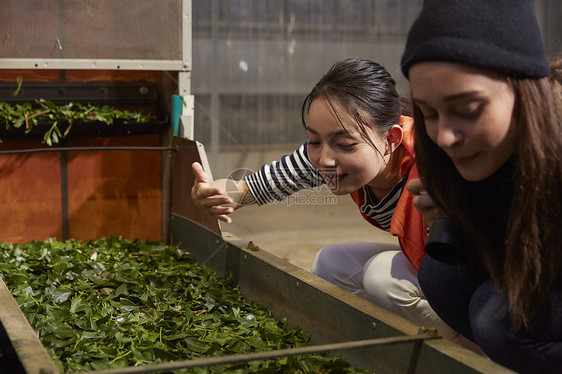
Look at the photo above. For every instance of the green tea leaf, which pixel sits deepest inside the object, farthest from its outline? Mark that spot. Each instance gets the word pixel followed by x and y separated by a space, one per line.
pixel 138 302
pixel 29 115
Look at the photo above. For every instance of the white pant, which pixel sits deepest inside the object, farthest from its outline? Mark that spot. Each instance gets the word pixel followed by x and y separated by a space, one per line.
pixel 380 273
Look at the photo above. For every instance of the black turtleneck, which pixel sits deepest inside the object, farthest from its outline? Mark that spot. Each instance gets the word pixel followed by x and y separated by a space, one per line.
pixel 488 204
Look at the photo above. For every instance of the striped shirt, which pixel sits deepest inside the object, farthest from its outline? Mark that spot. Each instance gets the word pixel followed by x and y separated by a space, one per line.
pixel 295 172
pixel 382 210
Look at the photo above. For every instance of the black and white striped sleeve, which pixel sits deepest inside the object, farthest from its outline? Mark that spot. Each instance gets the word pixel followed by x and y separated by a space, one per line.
pixel 282 178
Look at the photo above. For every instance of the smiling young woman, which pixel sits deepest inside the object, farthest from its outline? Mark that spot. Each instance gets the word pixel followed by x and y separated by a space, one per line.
pixel 488 131
pixel 464 115
pixel 359 143
pixel 347 158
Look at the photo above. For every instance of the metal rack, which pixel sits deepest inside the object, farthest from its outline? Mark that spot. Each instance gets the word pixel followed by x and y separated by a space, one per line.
pixel 150 35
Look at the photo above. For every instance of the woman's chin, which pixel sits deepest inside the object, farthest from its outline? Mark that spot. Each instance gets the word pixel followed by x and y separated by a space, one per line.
pixel 342 190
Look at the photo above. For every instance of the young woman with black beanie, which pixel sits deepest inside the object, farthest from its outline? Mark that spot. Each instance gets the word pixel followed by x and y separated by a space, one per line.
pixel 488 141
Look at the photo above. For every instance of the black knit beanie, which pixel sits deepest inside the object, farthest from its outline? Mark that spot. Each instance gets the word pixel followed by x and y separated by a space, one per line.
pixel 498 35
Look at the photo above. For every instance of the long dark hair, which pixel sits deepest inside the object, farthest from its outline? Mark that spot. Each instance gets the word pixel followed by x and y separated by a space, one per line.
pixel 362 87
pixel 529 267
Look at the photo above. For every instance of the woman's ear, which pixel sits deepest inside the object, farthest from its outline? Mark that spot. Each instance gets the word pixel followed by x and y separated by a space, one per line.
pixel 394 137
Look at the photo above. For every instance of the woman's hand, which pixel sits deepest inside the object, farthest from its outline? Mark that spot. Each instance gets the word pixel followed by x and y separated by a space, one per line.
pixel 423 203
pixel 211 196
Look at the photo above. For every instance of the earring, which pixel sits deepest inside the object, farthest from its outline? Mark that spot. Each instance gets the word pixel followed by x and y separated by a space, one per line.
pixel 387 154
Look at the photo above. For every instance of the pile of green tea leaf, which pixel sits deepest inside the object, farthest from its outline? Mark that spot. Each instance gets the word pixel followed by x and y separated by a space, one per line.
pixel 27 116
pixel 116 303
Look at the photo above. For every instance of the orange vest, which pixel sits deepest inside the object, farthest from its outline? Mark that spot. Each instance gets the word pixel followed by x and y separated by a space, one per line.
pixel 407 223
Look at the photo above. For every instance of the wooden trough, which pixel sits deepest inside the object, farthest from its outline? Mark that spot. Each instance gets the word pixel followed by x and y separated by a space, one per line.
pixel 354 329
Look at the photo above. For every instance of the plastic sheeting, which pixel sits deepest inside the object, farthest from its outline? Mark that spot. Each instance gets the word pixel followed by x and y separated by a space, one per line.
pixel 255 61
